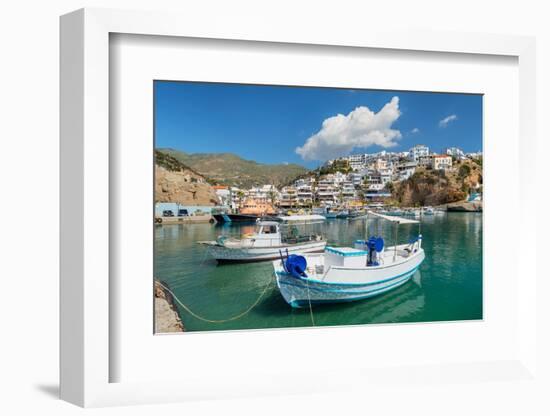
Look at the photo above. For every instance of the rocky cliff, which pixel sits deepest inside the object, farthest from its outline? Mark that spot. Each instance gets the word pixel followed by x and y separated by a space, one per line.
pixel 176 182
pixel 428 187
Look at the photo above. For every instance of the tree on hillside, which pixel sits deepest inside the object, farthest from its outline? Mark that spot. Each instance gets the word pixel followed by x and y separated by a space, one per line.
pixel 464 171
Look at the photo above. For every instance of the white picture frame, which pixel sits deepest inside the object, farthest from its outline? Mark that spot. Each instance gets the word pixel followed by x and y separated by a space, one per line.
pixel 86 356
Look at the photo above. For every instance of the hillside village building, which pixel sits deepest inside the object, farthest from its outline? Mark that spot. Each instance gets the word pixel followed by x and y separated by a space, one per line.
pixel 368 180
pixel 442 162
pixel 418 151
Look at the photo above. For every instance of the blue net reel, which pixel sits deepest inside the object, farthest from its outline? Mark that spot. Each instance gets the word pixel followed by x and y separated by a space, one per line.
pixel 296 265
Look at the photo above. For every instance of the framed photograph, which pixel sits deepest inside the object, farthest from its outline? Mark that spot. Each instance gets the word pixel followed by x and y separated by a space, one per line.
pixel 235 206
pixel 299 235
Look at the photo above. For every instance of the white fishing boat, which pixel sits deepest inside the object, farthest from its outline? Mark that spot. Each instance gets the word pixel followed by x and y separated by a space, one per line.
pixel 344 274
pixel 301 219
pixel 330 214
pixel 268 239
pixel 428 211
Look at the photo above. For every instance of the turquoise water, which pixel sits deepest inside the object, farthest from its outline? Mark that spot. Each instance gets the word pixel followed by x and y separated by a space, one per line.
pixel 448 285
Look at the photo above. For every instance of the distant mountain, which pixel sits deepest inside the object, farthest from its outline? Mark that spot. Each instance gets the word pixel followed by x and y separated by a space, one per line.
pixel 230 169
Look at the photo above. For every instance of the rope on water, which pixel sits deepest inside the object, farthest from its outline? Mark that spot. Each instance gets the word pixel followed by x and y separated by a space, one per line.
pixel 220 321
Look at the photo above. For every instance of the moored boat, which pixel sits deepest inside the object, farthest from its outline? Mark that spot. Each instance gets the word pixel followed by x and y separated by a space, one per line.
pixel 342 214
pixel 344 274
pixel 331 214
pixel 428 211
pixel 357 213
pixel 250 212
pixel 268 239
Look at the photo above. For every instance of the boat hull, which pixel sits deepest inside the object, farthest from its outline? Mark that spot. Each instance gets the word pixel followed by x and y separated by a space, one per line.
pixel 368 282
pixel 240 255
pixel 236 218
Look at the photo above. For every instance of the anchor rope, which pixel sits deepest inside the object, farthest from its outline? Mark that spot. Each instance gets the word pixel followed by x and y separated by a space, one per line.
pixel 219 321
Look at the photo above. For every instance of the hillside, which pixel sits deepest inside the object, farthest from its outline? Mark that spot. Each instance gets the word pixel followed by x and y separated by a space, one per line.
pixel 427 187
pixel 230 169
pixel 176 182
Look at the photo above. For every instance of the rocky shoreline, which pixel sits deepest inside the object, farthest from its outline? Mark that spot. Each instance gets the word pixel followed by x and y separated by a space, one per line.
pixel 166 314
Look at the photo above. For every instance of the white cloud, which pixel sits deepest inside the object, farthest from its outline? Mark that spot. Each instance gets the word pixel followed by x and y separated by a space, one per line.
pixel 447 120
pixel 340 134
pixel 415 130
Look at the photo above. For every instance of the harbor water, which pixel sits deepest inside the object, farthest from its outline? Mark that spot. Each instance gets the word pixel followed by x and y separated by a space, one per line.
pixel 448 286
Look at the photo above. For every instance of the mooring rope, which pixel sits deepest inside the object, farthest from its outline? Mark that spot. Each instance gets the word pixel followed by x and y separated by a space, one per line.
pixel 309 300
pixel 219 321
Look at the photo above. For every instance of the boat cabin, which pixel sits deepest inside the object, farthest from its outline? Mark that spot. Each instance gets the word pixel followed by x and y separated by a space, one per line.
pixel 267 234
pixel 289 230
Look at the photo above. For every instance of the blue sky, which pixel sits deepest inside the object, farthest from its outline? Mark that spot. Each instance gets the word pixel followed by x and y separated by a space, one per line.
pixel 269 123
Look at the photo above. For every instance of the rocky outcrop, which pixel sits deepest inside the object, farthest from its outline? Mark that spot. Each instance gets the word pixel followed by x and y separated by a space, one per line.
pixel 465 207
pixel 166 315
pixel 184 187
pixel 429 187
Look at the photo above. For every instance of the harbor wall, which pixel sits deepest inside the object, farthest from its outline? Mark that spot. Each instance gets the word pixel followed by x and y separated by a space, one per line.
pixel 175 207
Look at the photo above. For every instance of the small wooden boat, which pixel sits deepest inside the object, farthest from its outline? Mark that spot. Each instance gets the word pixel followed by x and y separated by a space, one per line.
pixel 344 274
pixel 268 239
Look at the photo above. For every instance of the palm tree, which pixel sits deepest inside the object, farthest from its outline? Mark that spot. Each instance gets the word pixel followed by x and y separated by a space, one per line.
pixel 272 196
pixel 240 196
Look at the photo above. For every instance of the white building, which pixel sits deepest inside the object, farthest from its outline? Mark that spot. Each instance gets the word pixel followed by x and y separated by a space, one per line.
pixel 224 195
pixel 357 162
pixel 418 151
pixel 405 170
pixel 425 161
pixel 304 195
pixel 237 196
pixel 442 162
pixel 289 197
pixel 264 194
pixel 357 177
pixel 348 191
pixel 455 152
pixel 474 155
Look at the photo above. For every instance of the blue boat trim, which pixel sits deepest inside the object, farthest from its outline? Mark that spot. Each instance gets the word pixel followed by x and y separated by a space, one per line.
pixel 305 302
pixel 349 254
pixel 331 290
pixel 350 284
